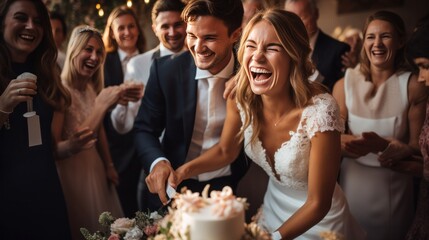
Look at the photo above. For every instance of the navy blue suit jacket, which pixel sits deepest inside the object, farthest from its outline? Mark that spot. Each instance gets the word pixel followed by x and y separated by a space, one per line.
pixel 327 58
pixel 170 102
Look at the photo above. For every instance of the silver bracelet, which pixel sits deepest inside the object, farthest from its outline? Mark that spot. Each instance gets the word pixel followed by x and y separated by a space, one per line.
pixel 276 235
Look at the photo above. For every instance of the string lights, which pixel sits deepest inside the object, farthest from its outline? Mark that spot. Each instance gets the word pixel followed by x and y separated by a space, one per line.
pixel 100 10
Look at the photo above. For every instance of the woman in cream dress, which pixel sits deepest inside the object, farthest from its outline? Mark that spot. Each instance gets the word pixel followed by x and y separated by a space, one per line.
pixel 384 107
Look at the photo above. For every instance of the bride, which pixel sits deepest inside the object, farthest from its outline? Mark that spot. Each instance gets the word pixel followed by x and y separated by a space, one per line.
pixel 289 126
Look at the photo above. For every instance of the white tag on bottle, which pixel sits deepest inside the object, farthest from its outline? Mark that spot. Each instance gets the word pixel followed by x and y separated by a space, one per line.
pixel 34 133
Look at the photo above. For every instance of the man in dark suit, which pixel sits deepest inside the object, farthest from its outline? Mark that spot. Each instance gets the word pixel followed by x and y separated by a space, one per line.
pixel 327 51
pixel 184 97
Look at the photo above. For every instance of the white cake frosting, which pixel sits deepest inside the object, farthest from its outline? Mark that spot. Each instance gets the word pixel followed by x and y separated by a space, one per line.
pixel 220 217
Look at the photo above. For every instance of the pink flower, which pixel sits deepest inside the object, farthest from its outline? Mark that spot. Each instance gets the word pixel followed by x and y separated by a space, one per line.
pixel 151 230
pixel 114 236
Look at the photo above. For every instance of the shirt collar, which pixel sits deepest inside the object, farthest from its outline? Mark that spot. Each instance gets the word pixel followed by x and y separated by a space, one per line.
pixel 225 73
pixel 163 51
pixel 123 54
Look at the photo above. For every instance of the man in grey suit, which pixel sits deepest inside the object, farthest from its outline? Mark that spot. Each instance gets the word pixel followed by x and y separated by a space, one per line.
pixel 184 97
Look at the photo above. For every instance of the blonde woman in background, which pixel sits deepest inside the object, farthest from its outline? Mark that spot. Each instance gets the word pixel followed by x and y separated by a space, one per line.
pixel 84 164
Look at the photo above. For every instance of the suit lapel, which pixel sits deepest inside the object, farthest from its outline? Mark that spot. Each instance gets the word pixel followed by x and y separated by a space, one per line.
pixel 156 53
pixel 190 86
pixel 118 69
pixel 114 74
pixel 315 53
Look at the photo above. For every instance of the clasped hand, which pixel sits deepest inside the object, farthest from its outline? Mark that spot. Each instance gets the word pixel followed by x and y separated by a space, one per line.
pixel 390 151
pixel 132 92
pixel 108 97
pixel 361 146
pixel 82 139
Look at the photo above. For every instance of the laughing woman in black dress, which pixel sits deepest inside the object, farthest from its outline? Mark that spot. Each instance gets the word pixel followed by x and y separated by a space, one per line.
pixel 31 199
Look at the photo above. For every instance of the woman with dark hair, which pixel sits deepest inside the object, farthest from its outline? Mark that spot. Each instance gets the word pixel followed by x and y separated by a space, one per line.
pixel 32 204
pixel 383 105
pixel 418 51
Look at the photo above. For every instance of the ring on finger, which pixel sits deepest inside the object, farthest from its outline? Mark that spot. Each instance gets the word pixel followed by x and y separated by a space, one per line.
pixel 19 91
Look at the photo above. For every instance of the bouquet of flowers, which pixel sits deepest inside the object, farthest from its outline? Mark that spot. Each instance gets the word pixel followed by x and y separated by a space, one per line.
pixel 164 225
pixel 153 226
pixel 143 226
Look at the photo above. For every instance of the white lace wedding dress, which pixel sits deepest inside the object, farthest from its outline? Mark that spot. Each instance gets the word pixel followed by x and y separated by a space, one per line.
pixel 283 198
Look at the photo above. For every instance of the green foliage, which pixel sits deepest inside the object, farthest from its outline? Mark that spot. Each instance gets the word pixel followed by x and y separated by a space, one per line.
pixel 106 219
pixel 96 236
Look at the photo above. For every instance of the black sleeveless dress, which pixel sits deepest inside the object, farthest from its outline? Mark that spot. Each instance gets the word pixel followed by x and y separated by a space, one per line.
pixel 32 204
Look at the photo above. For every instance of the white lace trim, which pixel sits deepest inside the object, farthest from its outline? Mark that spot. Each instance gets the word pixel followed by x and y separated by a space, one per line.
pixel 292 158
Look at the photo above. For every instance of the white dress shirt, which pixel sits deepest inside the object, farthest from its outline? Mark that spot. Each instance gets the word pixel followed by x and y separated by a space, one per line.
pixel 122 56
pixel 138 69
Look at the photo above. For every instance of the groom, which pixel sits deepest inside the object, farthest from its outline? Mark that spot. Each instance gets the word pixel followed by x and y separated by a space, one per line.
pixel 184 97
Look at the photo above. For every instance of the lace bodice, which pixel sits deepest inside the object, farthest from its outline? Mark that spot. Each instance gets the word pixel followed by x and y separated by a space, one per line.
pixel 292 158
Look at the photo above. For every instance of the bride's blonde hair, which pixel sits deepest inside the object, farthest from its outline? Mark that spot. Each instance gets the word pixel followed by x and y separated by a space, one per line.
pixel 293 37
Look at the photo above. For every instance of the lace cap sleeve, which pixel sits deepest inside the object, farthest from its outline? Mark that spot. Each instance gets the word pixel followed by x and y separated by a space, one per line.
pixel 323 115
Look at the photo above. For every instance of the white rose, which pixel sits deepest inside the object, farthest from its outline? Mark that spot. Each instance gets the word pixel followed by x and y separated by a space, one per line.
pixel 134 234
pixel 122 225
pixel 155 216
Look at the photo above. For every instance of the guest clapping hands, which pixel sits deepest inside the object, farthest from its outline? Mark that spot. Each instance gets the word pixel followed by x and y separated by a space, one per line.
pixel 384 107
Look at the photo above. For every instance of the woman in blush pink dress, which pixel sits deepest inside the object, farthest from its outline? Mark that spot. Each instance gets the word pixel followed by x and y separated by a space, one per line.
pixel 84 165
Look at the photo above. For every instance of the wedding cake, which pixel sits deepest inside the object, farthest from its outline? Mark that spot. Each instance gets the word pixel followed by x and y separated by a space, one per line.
pixel 219 217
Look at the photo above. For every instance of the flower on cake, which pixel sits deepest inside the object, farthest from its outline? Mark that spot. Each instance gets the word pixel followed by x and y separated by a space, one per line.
pixel 189 201
pixel 225 203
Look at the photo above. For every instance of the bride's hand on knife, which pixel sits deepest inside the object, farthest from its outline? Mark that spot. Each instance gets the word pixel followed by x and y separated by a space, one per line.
pixel 176 177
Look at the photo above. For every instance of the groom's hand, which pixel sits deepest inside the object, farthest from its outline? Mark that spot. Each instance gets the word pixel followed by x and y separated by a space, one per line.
pixel 230 88
pixel 157 179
